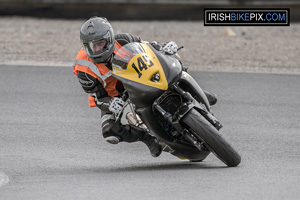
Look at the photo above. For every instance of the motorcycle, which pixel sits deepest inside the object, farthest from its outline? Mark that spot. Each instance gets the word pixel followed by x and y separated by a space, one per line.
pixel 167 102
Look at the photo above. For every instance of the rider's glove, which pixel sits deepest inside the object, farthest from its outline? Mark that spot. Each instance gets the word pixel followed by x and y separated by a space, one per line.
pixel 116 105
pixel 156 45
pixel 170 48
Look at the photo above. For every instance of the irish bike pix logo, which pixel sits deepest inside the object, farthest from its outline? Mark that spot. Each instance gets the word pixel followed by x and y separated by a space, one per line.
pixel 246 17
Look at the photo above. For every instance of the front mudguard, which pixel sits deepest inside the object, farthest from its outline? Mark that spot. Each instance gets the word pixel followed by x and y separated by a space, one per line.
pixel 188 83
pixel 189 88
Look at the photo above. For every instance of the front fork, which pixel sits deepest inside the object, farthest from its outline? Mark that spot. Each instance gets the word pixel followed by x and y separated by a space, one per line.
pixel 189 104
pixel 184 109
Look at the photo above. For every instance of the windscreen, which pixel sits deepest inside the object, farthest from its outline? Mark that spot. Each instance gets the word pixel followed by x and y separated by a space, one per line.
pixel 123 56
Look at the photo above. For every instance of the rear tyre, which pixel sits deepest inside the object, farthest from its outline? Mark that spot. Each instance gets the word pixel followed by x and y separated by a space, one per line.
pixel 205 132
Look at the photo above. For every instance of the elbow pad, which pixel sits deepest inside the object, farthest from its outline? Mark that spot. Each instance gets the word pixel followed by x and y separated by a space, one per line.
pixel 91 85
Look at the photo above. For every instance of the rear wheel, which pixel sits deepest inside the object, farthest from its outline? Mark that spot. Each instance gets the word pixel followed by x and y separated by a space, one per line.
pixel 205 132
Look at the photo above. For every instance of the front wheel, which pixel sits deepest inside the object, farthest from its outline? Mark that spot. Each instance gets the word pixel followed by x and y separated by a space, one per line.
pixel 205 132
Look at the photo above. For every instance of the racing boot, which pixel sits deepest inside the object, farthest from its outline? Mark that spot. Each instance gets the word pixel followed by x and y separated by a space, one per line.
pixel 212 98
pixel 150 141
pixel 113 139
pixel 116 132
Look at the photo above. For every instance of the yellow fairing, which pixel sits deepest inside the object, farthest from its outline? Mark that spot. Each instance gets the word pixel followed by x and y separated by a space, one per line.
pixel 141 69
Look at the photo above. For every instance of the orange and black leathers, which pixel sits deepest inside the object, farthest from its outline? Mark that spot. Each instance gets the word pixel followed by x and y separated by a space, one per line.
pixel 99 93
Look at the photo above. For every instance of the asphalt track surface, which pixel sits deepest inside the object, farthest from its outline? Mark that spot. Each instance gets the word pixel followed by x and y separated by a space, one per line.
pixel 52 147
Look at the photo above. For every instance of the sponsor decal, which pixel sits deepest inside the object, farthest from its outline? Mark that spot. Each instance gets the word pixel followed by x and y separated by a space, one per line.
pixel 85 82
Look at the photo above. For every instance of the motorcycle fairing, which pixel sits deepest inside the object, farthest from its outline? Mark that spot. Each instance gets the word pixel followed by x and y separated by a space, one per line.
pixel 141 95
pixel 141 68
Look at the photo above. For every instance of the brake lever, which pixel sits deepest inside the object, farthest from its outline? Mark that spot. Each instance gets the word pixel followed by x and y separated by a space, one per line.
pixel 180 48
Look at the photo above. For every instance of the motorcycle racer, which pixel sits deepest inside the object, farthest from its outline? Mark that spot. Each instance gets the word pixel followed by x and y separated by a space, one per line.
pixel 93 70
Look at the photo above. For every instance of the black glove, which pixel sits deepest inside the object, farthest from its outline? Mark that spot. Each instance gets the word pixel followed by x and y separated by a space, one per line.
pixel 156 45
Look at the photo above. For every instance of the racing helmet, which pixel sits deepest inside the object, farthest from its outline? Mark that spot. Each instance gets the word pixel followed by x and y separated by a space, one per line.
pixel 97 39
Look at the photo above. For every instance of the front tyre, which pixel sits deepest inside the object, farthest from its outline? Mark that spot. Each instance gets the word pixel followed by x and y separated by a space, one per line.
pixel 205 132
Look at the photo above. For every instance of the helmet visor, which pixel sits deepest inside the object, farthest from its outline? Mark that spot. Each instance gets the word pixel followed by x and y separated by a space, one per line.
pixel 97 46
